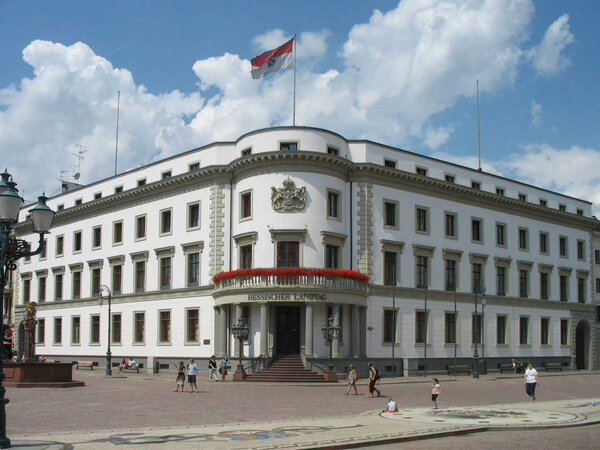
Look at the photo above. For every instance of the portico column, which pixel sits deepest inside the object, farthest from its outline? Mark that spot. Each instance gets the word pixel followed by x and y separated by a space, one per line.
pixel 236 344
pixel 217 333
pixel 355 351
pixel 335 344
pixel 223 329
pixel 308 331
pixel 264 309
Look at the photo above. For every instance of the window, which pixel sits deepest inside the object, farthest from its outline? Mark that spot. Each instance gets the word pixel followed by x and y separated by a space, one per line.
pixel 194 166
pixel 193 269
pixel 501 235
pixel 58 330
pixel 41 289
pixel 421 171
pixel 523 239
pixel 140 276
pixel 476 185
pixel 115 331
pixel 523 197
pixel 333 199
pixel 166 174
pixel 450 274
pixel 332 256
pixel 501 280
pixel 59 245
pixel 26 291
pixel 544 331
pixel 523 330
pixel 246 205
pixel 76 241
pixel 390 214
pixel 562 246
pixel 97 237
pixel 580 250
pixel 389 163
pixel 476 329
pixel 41 332
pixel 523 283
pixel 476 277
pixel 501 322
pixel 95 329
pixel 450 225
pixel 562 207
pixel 564 288
pixel 193 216
pixel 421 327
pixel 118 189
pixel 96 281
pixel 118 232
pixel 391 326
pixel 579 212
pixel 60 207
pixel 247 152
pixel 288 254
pixel 544 243
pixel 288 147
pixel 544 285
pixel 390 264
pixel 75 330
pixel 597 285
pixel 165 272
pixel 117 278
pixel 139 327
pixel 333 151
pixel 564 331
pixel 76 284
pixel 246 256
pixel 97 195
pixel 141 182
pixel 500 192
pixel 597 256
pixel 581 289
pixel 192 323
pixel 476 230
pixel 58 287
pixel 422 220
pixel 422 272
pixel 78 202
pixel 165 221
pixel 140 227
pixel 450 328
pixel 164 327
pixel 449 178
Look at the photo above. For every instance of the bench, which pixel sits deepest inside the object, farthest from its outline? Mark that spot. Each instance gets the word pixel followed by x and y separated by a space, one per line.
pixel 552 366
pixel 131 369
pixel 506 367
pixel 452 369
pixel 86 364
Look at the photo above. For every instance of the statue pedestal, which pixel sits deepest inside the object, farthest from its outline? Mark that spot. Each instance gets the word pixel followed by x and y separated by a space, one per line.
pixel 36 374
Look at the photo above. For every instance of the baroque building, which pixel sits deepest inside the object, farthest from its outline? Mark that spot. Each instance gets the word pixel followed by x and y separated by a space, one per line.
pixel 420 262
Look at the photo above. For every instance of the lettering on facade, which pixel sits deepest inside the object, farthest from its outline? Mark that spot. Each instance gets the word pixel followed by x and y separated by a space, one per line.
pixel 289 198
pixel 288 297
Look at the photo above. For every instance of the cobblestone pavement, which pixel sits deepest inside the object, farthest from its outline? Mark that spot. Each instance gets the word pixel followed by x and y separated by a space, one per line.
pixel 143 411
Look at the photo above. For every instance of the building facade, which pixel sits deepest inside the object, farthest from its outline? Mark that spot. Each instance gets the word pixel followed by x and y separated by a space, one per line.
pixel 420 262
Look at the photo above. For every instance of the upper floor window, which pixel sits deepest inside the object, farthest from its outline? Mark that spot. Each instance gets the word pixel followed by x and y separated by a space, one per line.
pixel 141 182
pixel 193 215
pixel 166 174
pixel 59 245
pixel 449 178
pixel 246 205
pixel 390 264
pixel 118 189
pixel 60 207
pixel 246 256
pixel 389 163
pixel 563 246
pixel 597 256
pixel 476 185
pixel 97 195
pixel 422 272
pixel 333 151
pixel 450 225
pixel 580 249
pixel 78 201
pixel 500 191
pixel 523 197
pixel 543 242
pixel 421 171
pixel 501 235
pixel 193 269
pixel 562 207
pixel 118 232
pixel 543 202
pixel 332 256
pixel 140 227
pixel 476 230
pixel 288 147
pixel 193 166
pixel 422 220
pixel 166 221
pixel 76 241
pixel 390 214
pixel 165 272
pixel 523 239
pixel 333 200
pixel 288 254
pixel 579 212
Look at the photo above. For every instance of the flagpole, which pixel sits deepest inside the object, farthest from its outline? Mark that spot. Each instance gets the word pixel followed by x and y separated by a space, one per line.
pixel 478 129
pixel 117 132
pixel 294 113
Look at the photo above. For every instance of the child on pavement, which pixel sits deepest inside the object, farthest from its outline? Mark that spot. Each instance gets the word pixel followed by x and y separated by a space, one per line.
pixel 436 390
pixel 180 380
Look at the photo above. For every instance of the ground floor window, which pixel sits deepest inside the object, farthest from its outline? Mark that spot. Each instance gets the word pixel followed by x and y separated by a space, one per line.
pixel 544 331
pixel 139 330
pixel 75 330
pixel 523 330
pixel 501 322
pixel 421 327
pixel 192 325
pixel 476 329
pixel 116 328
pixel 164 329
pixel 450 328
pixel 58 330
pixel 95 329
pixel 564 331
pixel 391 327
pixel 41 331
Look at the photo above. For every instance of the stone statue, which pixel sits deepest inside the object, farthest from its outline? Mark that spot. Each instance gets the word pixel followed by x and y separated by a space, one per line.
pixel 30 326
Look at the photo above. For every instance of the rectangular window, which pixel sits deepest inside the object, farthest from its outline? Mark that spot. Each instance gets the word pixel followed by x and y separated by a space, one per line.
pixel 562 246
pixel 544 283
pixel 597 256
pixel 118 232
pixel 58 287
pixel 476 277
pixel 165 272
pixel 141 182
pixel 581 290
pixel 421 171
pixel 117 278
pixel 76 241
pixel 166 222
pixel 523 330
pixel 140 276
pixel 196 165
pixel 75 330
pixel 523 197
pixel 164 327
pixel 96 237
pixel 290 147
pixel 564 288
pixel 331 256
pixel 333 151
pixel 580 249
pixel 476 230
pixel 26 291
pixel 501 322
pixel 450 225
pixel 544 243
pixel 562 207
pixel 544 331
pixel 193 269
pixel 333 199
pixel 450 275
pixel 166 174
pixel 422 220
pixel 78 201
pixel 139 327
pixel 41 331
pixel 422 272
pixel 59 245
pixel 118 189
pixel 500 192
pixel 449 178
pixel 421 327
pixel 476 329
pixel 97 195
pixel 115 329
pixel 476 185
pixel 390 214
pixel 501 235
pixel 76 284
pixel 288 254
pixel 523 283
pixel 597 285
pixel 246 256
pixel 543 202
pixel 246 205
pixel 564 331
pixel 391 331
pixel 501 280
pixel 389 163
pixel 140 227
pixel 95 329
pixel 58 330
pixel 96 281
pixel 523 239
pixel 390 266
pixel 246 152
pixel 579 212
pixel 41 289
pixel 192 323
pixel 193 216
pixel 450 328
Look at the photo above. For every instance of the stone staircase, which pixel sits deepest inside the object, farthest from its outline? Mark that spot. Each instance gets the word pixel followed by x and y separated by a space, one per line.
pixel 287 368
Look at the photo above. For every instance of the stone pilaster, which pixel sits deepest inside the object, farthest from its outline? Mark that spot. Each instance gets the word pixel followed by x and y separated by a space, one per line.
pixel 365 226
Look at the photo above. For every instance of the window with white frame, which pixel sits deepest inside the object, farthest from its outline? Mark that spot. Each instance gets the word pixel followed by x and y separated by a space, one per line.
pixel 140 227
pixel 390 217
pixel 422 220
pixel 450 328
pixel 501 324
pixel 333 204
pixel 523 239
pixel 450 222
pixel 118 232
pixel 139 327
pixel 75 330
pixel 94 329
pixel 166 222
pixel 391 326
pixel 57 331
pixel 41 331
pixel 192 324
pixel 193 216
pixel 97 237
pixel 523 330
pixel 116 328
pixel 246 205
pixel 164 327
pixel 59 245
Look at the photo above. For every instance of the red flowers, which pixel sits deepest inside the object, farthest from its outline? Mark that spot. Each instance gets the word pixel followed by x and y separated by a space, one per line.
pixel 291 273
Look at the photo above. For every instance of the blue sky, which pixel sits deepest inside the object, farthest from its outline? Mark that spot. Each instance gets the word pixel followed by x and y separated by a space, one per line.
pixel 405 75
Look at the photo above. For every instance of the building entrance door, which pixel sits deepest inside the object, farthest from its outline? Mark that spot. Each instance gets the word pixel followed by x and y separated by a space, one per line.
pixel 582 337
pixel 287 335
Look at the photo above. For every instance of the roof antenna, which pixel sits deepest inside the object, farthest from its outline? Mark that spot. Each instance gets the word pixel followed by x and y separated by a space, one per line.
pixel 79 156
pixel 478 128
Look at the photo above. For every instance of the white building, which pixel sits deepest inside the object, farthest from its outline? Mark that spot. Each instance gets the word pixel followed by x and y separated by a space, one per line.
pixel 446 236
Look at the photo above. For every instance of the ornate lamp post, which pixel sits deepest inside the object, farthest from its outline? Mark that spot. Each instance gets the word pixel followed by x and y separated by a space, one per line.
pixel 478 330
pixel 11 250
pixel 240 331
pixel 483 302
pixel 331 332
pixel 105 292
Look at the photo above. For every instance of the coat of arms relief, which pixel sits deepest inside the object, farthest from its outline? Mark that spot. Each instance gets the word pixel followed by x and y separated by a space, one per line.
pixel 289 198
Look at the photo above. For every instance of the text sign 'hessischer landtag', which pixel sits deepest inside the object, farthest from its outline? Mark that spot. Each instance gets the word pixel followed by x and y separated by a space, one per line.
pixel 288 297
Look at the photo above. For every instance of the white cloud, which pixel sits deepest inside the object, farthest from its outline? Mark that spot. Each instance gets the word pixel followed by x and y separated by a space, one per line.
pixel 549 58
pixel 436 138
pixel 537 114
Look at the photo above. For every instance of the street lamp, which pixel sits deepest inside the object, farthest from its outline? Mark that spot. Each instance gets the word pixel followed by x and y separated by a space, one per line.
pixel 104 291
pixel 483 302
pixel 330 332
pixel 240 331
pixel 11 250
pixel 478 326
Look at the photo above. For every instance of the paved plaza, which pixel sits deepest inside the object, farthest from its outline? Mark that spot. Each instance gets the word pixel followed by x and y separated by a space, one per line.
pixel 142 411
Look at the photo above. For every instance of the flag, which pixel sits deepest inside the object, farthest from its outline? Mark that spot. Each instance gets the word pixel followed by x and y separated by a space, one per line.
pixel 273 60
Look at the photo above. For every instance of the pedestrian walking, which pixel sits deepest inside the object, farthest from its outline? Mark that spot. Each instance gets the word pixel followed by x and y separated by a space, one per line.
pixel 180 380
pixel 531 381
pixel 223 366
pixel 351 379
pixel 436 390
pixel 192 370
pixel 212 369
pixel 374 377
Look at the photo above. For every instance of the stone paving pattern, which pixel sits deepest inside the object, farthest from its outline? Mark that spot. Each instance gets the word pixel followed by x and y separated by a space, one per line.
pixel 143 411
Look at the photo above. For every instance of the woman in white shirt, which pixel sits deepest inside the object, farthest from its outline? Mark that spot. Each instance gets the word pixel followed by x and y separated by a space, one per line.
pixel 531 376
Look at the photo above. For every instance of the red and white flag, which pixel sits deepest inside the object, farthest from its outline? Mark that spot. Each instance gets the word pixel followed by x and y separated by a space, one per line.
pixel 273 60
